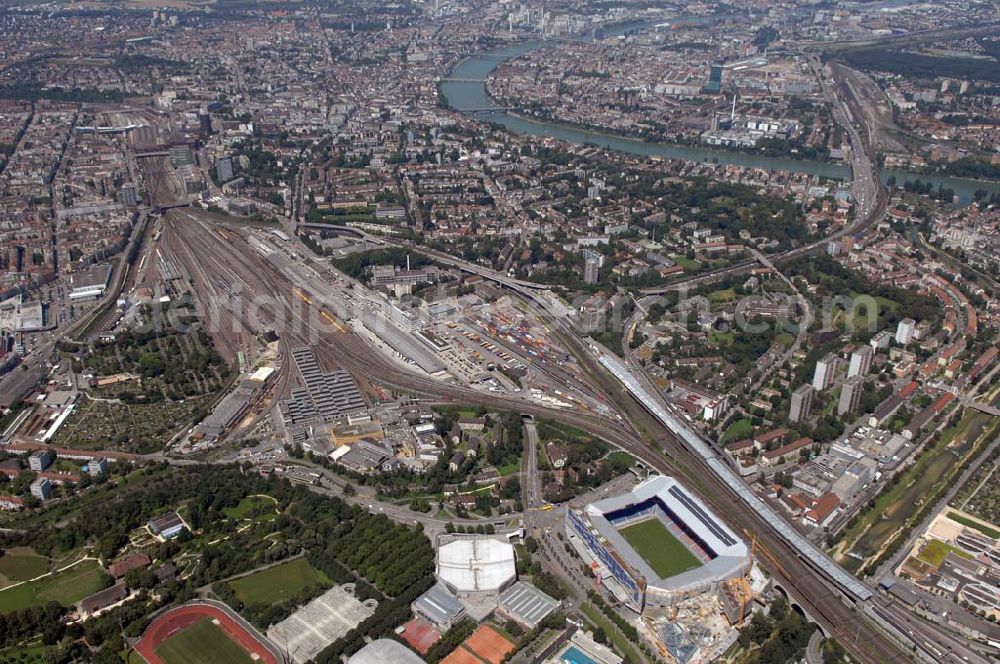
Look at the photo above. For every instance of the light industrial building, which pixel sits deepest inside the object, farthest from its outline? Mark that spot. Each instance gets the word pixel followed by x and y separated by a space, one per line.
pixel 440 607
pixel 91 284
pixel 526 605
pixel 680 522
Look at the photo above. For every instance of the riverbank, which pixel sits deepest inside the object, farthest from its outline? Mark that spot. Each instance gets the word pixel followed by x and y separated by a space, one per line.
pixel 464 89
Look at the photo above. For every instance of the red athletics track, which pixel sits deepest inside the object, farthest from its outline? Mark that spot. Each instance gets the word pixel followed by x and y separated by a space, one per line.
pixel 173 621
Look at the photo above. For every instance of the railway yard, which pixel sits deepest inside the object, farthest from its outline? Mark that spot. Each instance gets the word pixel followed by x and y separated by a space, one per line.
pixel 542 333
pixel 222 262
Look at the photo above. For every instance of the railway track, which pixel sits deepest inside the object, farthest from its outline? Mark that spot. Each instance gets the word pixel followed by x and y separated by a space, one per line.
pixel 334 345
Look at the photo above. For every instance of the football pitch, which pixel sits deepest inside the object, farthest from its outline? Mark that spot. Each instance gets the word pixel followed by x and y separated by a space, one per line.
pixel 279 583
pixel 663 552
pixel 202 643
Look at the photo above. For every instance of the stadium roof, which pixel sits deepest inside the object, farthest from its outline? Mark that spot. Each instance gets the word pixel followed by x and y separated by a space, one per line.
pixel 381 651
pixel 731 553
pixel 721 468
pixel 476 564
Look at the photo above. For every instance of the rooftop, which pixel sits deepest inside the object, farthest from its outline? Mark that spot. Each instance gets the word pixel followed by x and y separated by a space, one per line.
pixel 476 564
pixel 381 651
pixel 527 604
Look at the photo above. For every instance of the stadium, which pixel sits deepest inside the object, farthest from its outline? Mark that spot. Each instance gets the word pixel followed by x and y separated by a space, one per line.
pixel 656 545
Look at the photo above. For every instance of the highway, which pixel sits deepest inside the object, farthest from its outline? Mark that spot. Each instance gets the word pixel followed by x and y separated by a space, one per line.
pixel 530 484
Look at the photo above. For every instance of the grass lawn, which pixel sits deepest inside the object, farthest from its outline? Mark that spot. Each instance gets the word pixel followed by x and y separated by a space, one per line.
pixel 279 583
pixel 689 264
pixel 832 399
pixel 975 525
pixel 251 506
pixel 509 468
pixel 722 338
pixel 598 619
pixel 21 564
pixel 936 550
pixel 663 552
pixel 621 458
pixel 202 643
pixel 132 657
pixel 66 587
pixel 738 430
pixel 26 654
pixel 721 296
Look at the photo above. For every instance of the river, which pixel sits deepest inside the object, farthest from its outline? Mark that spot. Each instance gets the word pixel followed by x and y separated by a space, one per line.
pixel 465 90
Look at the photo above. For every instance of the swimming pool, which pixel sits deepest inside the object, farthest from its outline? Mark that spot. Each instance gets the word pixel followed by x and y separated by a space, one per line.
pixel 575 656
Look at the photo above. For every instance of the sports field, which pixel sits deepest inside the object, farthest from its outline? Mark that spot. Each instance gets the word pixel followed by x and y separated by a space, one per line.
pixel 203 633
pixel 663 552
pixel 202 643
pixel 20 564
pixel 66 587
pixel 279 583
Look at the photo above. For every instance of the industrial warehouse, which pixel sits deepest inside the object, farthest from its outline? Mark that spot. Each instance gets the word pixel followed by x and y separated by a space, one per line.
pixel 656 545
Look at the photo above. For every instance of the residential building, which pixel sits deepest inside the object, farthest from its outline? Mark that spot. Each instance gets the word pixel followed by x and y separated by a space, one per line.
pixel 591 266
pixel 784 452
pixel 10 503
pixel 881 340
pixel 224 169
pixel 861 361
pixel 41 488
pixel 802 400
pixel 826 372
pixel 97 467
pixel 905 331
pixel 41 460
pixel 850 394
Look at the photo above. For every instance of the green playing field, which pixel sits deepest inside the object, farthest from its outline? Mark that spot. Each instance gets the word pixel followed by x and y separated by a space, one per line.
pixel 202 643
pixel 663 552
pixel 278 583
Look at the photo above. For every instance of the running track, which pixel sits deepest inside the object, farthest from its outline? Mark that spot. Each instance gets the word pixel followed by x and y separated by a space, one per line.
pixel 173 621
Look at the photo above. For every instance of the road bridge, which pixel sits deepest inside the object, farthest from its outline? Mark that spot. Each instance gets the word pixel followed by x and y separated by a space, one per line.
pixel 983 408
pixel 333 228
pixel 490 111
